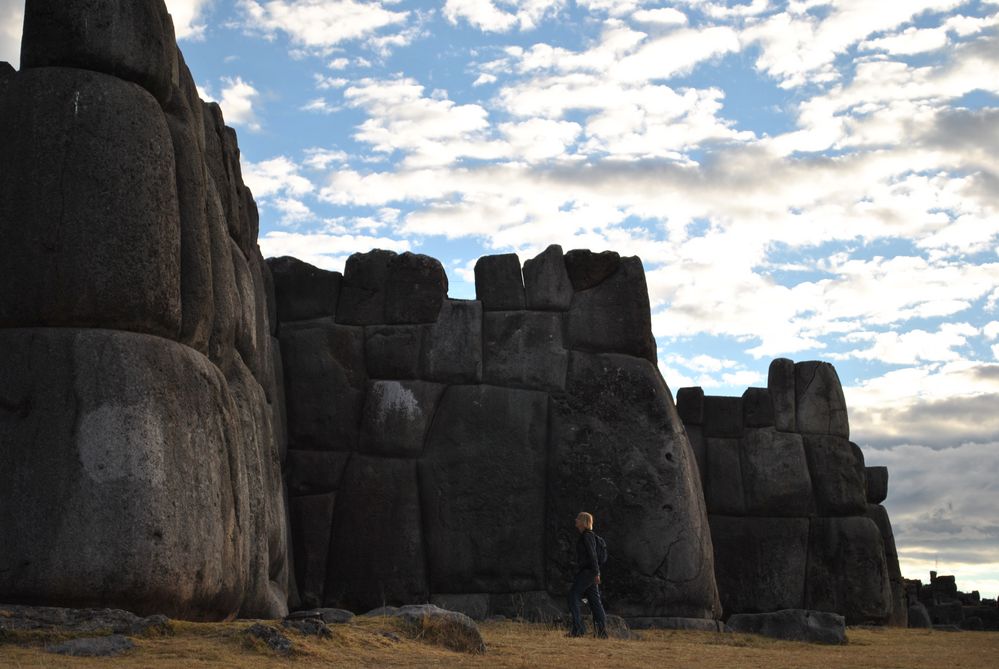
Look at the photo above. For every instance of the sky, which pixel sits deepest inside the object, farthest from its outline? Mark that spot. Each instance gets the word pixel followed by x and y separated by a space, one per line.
pixel 815 179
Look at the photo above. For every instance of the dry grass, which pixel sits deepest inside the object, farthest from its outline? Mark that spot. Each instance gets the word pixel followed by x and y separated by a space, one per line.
pixel 364 644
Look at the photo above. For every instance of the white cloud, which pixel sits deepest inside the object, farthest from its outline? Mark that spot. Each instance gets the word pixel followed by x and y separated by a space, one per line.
pixel 11 21
pixel 319 105
pixel 276 176
pixel 662 16
pixel 328 251
pixel 912 346
pixel 321 159
pixel 320 24
pixel 991 330
pixel 292 210
pixel 488 17
pixel 237 100
pixel 909 41
pixel 187 15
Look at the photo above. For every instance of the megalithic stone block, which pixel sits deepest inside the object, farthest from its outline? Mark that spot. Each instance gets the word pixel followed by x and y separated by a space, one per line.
pixel 311 527
pixel 775 474
pixel 397 416
pixel 722 416
pixel 524 349
pixel 876 479
pixel 820 407
pixel 393 351
pixel 724 492
pixel 303 291
pixel 452 347
pixel 836 468
pixel 362 292
pixel 690 405
pixel 499 284
pixel 415 289
pixel 757 408
pixel 546 281
pixel 587 269
pixel 780 383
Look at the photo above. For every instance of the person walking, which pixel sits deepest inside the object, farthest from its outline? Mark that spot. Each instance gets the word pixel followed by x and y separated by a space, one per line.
pixel 586 582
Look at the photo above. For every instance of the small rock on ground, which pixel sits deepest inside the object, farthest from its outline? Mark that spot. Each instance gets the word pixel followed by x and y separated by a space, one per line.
pixel 271 636
pixel 103 646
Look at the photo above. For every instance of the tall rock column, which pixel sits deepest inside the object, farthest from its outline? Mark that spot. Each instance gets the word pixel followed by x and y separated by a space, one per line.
pixel 140 415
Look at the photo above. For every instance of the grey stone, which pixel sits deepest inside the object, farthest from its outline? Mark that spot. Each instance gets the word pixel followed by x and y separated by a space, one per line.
pixel 760 563
pixel 129 39
pixel 587 269
pixel 614 316
pixel 328 616
pixel 486 451
pixel 775 474
pixel 690 405
pixel 396 417
pixel 386 566
pixel 524 349
pixel 546 281
pixel 220 165
pixel 225 294
pixel 473 605
pixel 247 339
pixel 452 347
pixel 7 72
pixel 876 481
pixel 324 384
pixel 57 619
pixel 780 383
pixel 102 646
pixel 70 257
pixel 271 636
pixel 699 446
pixel 303 291
pixel 672 623
pixel 722 416
pixel 309 627
pixel 793 625
pixel 724 492
pixel 415 289
pixel 757 409
pixel 315 472
pixel 899 609
pixel 279 404
pixel 450 629
pixel 820 407
pixel 311 526
pixel 617 449
pixel 362 292
pixel 847 571
pixel 534 606
pixel 836 468
pixel 499 285
pixel 919 617
pixel 393 351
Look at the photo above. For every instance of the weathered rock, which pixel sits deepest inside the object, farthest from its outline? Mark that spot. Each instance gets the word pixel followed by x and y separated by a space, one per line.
pixel 303 291
pixel 130 39
pixel 690 405
pixel 499 285
pixel 415 289
pixel 328 616
pixel 546 281
pixel 757 408
pixel 393 351
pixel 722 416
pixel 524 349
pixel 396 417
pixel 836 468
pixel 775 474
pixel 247 341
pixel 672 623
pixel 452 347
pixel 780 383
pixel 760 563
pixel 473 605
pixel 535 606
pixel 311 526
pixel 793 625
pixel 614 316
pixel 820 407
pixel 876 480
pixel 309 627
pixel 113 621
pixel 279 404
pixel 847 572
pixel 127 428
pixel 919 617
pixel 362 291
pixel 724 493
pixel 486 451
pixel 101 646
pixel 315 472
pixel 387 566
pixel 225 294
pixel 70 257
pixel 587 269
pixel 324 384
pixel 270 636
pixel 7 72
pixel 618 449
pixel 220 166
pixel 450 629
pixel 899 609
pixel 699 446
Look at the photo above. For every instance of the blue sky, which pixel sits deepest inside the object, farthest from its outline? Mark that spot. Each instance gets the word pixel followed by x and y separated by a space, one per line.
pixel 808 179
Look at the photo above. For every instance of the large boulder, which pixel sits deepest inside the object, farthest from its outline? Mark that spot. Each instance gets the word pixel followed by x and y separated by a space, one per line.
pixel 836 467
pixel 91 231
pixel 303 291
pixel 499 285
pixel 393 351
pixel 415 289
pixel 524 349
pixel 452 347
pixel 775 474
pixel 311 527
pixel 793 625
pixel 362 292
pixel 820 407
pixel 722 416
pixel 780 384
pixel 315 472
pixel 876 480
pixel 546 281
pixel 397 416
pixel 724 492
pixel 483 486
pixel 587 269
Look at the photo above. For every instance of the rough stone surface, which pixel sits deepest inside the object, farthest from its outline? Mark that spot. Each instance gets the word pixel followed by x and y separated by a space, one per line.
pixel 673 623
pixel 698 444
pixel 450 629
pixel 690 405
pixel 474 605
pixel 757 408
pixel 535 606
pixel 793 625
pixel 775 474
pixel 919 617
pixel 416 287
pixel 303 291
pixel 362 292
pixel 69 257
pixel 499 285
pixel 130 39
pixel 618 449
pixel 396 417
pixel 724 492
pixel 114 621
pixel 486 451
pixel 524 349
pixel 388 566
pixel 393 351
pixel 101 646
pixel 309 627
pixel 452 347
pixel 837 471
pixel 899 609
pixel 270 636
pixel 311 526
pixel 614 316
pixel 722 416
pixel 876 480
pixel 587 269
pixel 820 407
pixel 315 472
pixel 328 616
pixel 546 281
pixel 760 563
pixel 780 383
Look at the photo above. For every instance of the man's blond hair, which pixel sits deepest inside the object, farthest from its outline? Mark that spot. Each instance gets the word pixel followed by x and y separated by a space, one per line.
pixel 587 519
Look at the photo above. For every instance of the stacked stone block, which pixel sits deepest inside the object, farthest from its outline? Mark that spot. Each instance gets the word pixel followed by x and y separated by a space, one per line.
pixel 140 416
pixel 796 520
pixel 440 449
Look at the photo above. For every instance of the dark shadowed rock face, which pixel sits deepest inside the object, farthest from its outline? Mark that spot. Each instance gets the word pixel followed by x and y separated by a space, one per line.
pixel 499 284
pixel 302 291
pixel 546 281
pixel 793 625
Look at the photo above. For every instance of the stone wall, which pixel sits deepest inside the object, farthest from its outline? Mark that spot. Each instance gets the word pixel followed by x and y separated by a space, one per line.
pixel 140 417
pixel 440 449
pixel 796 518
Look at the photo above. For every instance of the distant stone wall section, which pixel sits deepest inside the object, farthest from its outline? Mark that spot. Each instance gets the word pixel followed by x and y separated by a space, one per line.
pixel 440 449
pixel 140 408
pixel 796 517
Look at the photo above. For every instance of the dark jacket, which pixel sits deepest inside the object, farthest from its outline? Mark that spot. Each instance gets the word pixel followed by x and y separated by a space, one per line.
pixel 586 552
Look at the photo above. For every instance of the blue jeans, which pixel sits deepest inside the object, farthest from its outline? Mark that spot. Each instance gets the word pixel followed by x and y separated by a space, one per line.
pixel 584 585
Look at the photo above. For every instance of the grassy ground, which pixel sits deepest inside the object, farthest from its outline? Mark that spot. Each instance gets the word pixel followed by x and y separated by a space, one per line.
pixel 363 644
